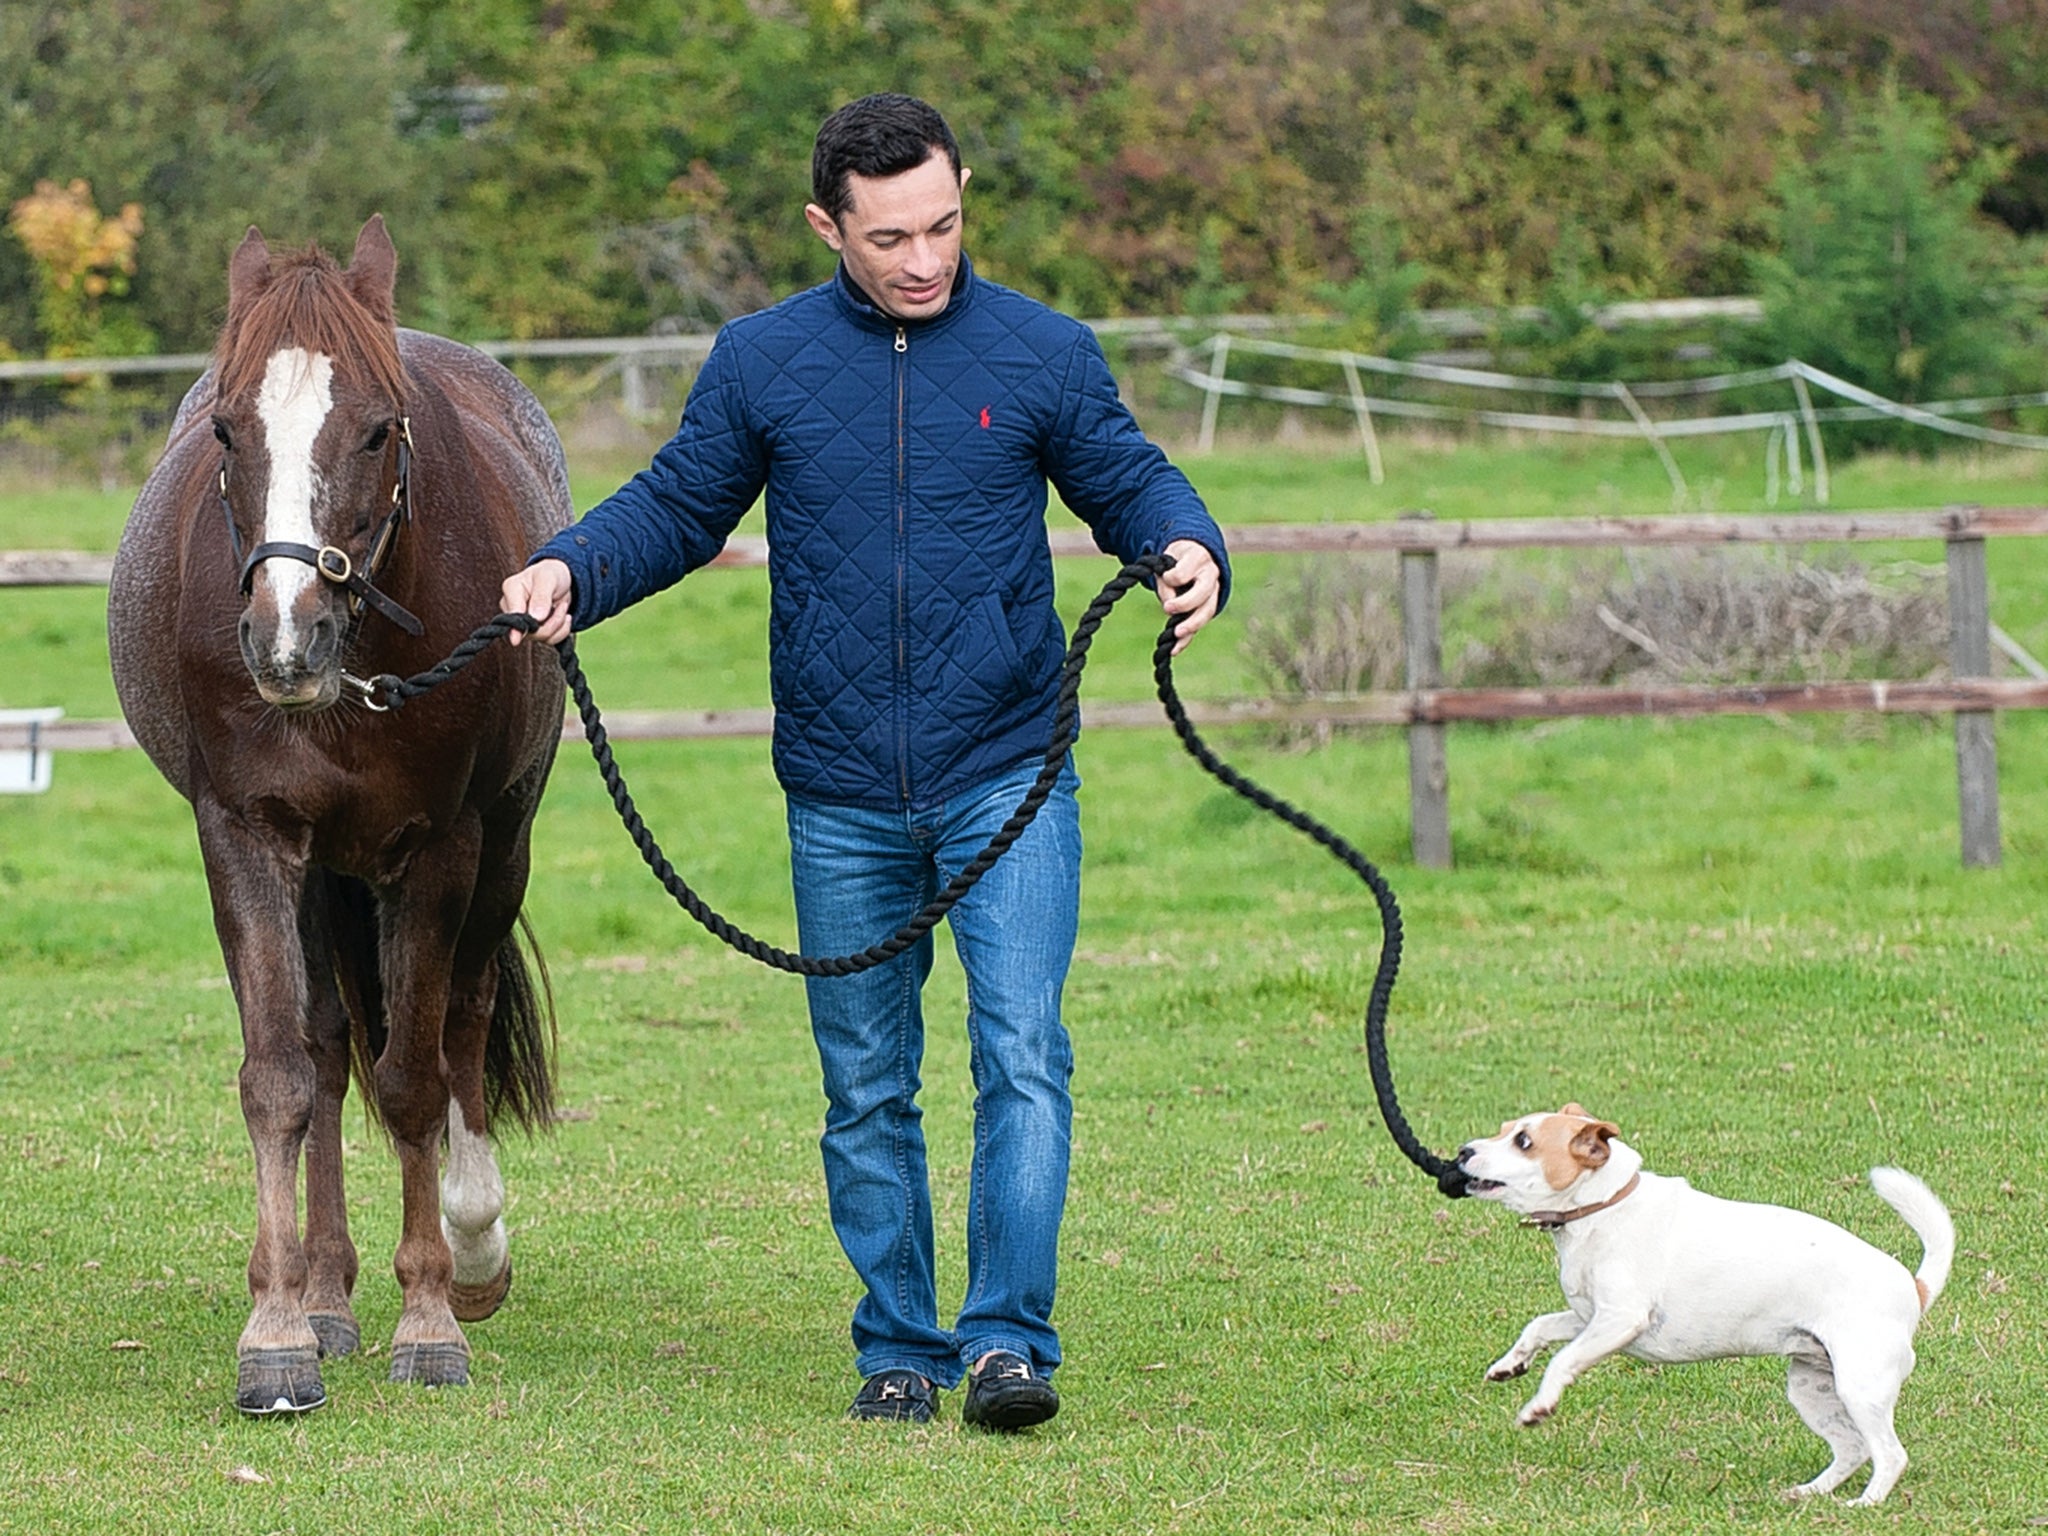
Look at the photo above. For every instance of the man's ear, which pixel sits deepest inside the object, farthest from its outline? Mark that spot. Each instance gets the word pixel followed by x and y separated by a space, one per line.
pixel 825 225
pixel 965 172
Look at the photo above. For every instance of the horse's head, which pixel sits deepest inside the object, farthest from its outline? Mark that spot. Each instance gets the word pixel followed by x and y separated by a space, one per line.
pixel 309 410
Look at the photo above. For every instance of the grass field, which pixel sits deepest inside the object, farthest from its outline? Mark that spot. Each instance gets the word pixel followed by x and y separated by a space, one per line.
pixel 1750 944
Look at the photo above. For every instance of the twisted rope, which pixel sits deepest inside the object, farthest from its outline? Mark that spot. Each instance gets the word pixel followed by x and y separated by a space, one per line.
pixel 396 692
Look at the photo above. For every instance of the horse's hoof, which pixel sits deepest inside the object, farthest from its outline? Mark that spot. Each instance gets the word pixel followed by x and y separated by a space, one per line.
pixel 337 1333
pixel 431 1365
pixel 474 1303
pixel 273 1381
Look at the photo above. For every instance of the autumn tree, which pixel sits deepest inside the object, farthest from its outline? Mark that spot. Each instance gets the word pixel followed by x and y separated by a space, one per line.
pixel 84 261
pixel 1645 135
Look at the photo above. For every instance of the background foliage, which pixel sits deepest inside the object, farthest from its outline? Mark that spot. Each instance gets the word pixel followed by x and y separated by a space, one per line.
pixel 599 166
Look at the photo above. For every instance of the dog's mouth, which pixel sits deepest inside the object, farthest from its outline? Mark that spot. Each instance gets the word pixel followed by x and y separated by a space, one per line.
pixel 1482 1187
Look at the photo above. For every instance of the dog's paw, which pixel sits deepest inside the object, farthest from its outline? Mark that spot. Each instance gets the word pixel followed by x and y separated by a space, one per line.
pixel 1535 1413
pixel 1507 1368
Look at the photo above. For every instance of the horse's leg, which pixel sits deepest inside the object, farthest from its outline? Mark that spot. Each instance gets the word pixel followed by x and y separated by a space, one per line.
pixel 421 919
pixel 472 1189
pixel 255 883
pixel 330 1254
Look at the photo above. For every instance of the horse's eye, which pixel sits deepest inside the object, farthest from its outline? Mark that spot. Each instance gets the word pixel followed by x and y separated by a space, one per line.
pixel 220 431
pixel 378 437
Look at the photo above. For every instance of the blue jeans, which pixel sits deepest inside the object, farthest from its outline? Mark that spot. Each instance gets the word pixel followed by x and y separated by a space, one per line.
pixel 859 876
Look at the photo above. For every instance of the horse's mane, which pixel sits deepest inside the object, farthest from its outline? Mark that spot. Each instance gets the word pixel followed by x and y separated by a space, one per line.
pixel 307 303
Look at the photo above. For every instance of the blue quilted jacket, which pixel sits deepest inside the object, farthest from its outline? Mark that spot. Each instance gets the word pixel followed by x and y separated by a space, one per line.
pixel 913 645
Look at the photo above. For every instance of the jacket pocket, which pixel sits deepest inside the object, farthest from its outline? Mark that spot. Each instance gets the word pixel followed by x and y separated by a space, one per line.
pixel 1006 662
pixel 792 651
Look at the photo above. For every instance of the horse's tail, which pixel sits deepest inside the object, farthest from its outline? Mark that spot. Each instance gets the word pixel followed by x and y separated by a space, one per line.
pixel 519 1050
pixel 519 1077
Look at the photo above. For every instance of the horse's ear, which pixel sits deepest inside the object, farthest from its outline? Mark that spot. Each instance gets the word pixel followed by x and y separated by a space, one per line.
pixel 248 268
pixel 373 269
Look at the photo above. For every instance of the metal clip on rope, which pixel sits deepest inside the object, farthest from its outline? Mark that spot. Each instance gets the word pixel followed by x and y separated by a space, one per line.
pixel 386 691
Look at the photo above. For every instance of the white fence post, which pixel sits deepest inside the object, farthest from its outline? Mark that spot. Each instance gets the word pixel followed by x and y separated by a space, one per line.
pixel 1969 627
pixel 1219 359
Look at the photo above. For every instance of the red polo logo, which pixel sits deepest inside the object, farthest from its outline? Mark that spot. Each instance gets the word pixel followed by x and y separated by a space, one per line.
pixel 984 418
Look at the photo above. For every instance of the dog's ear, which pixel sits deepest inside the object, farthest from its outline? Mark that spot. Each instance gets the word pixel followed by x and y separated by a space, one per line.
pixel 1578 1111
pixel 1589 1145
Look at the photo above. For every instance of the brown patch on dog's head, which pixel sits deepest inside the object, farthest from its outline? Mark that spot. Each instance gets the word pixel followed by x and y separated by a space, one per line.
pixel 1570 1144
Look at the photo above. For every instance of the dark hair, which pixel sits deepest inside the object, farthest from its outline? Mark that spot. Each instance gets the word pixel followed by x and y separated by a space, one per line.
pixel 881 135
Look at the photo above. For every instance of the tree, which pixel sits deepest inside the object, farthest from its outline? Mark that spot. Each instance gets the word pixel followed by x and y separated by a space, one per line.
pixel 1885 272
pixel 1987 64
pixel 1211 117
pixel 83 259
pixel 212 115
pixel 1496 127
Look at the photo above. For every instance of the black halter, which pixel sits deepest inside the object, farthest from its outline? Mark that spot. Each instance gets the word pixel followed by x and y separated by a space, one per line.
pixel 333 563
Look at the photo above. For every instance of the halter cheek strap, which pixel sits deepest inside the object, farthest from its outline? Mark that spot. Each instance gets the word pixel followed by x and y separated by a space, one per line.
pixel 333 563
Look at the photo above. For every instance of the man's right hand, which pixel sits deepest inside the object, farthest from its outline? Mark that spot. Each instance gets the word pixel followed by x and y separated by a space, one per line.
pixel 541 590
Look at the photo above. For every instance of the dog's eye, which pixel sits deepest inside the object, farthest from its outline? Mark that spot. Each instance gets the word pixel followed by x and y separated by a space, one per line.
pixel 1522 1141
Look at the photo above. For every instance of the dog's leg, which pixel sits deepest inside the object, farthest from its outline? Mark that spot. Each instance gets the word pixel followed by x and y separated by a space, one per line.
pixel 1550 1328
pixel 1810 1383
pixel 1868 1383
pixel 1608 1331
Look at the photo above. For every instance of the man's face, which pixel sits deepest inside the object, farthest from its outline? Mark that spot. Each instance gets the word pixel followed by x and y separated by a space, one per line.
pixel 900 237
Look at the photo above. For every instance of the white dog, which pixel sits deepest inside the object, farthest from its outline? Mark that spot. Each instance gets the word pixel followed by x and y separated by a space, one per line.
pixel 1655 1269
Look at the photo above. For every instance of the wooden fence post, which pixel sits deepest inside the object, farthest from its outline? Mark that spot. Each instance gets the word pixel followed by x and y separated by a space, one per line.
pixel 1429 774
pixel 1969 629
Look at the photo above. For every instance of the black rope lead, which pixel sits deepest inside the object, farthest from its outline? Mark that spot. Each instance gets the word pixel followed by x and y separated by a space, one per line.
pixel 387 691
pixel 1450 1178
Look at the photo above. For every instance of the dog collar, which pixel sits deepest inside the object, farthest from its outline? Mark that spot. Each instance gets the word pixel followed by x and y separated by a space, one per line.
pixel 1550 1221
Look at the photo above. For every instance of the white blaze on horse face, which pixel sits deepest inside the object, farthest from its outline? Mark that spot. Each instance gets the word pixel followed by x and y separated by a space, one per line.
pixel 472 1202
pixel 292 403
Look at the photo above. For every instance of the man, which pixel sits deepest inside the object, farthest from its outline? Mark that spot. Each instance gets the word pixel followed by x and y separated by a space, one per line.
pixel 904 419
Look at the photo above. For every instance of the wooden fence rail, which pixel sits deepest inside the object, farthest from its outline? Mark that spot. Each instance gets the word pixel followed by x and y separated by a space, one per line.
pixel 1425 708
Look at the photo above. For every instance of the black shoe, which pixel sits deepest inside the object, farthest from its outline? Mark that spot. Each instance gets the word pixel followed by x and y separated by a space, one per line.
pixel 894 1395
pixel 1007 1394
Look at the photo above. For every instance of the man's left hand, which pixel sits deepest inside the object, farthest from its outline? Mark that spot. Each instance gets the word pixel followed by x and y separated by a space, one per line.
pixel 1193 588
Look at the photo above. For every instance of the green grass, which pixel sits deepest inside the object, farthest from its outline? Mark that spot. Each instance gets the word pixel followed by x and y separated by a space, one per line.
pixel 1750 944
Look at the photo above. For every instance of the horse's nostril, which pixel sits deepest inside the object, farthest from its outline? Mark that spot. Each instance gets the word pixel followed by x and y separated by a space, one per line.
pixel 246 633
pixel 320 645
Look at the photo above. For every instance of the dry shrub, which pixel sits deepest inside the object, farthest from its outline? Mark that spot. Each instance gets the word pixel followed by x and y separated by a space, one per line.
pixel 1721 616
pixel 1335 629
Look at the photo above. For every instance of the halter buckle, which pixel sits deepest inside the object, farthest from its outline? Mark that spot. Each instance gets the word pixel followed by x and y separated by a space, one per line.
pixel 333 564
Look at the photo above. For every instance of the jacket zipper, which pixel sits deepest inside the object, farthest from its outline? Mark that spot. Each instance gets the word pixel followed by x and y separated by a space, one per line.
pixel 902 371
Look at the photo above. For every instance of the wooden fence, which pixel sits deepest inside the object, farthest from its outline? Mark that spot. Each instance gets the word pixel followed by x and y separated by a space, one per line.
pixel 1425 708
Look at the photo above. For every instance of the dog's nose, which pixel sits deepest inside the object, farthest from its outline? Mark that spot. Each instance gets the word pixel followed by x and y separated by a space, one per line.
pixel 1465 1154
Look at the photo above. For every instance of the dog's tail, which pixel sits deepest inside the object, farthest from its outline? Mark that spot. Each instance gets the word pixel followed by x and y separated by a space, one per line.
pixel 1925 1215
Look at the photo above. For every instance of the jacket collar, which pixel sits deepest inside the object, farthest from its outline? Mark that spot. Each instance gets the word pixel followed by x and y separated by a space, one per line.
pixel 853 299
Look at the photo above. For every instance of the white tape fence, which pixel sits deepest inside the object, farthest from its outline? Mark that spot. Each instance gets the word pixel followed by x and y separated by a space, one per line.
pixel 1788 430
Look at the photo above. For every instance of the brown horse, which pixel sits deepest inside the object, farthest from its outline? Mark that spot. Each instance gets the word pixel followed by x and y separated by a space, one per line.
pixel 328 479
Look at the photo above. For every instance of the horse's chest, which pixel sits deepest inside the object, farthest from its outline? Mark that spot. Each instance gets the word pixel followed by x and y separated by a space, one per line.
pixel 379 850
pixel 368 825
